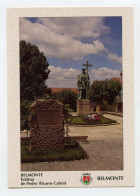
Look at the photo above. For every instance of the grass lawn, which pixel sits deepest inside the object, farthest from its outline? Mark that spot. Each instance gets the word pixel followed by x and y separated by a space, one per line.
pixel 72 151
pixel 79 120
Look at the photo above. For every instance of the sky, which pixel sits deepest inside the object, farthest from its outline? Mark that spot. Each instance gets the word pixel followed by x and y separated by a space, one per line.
pixel 68 42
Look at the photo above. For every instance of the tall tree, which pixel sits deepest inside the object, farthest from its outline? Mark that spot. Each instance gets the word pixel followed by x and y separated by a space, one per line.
pixel 33 71
pixel 107 90
pixel 33 74
pixel 112 90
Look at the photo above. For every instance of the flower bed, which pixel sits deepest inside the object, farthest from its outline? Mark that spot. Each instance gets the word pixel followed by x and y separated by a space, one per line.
pixel 93 117
pixel 88 120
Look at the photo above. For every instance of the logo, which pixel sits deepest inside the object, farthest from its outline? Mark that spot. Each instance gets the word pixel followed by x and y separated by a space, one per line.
pixel 86 178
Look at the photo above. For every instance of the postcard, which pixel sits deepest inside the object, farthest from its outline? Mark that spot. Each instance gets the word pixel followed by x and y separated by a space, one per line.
pixel 70 97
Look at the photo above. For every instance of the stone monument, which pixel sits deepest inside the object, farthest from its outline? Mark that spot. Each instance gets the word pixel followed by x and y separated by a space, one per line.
pixel 47 125
pixel 83 81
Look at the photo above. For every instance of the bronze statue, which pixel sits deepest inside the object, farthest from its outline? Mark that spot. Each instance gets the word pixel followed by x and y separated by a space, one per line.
pixel 83 82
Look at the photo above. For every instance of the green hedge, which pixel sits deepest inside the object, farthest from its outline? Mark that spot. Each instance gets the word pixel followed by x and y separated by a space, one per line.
pixel 72 151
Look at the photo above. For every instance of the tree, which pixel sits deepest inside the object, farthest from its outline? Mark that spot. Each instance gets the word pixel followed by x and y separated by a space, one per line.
pixel 96 92
pixel 33 75
pixel 113 88
pixel 67 97
pixel 33 71
pixel 101 91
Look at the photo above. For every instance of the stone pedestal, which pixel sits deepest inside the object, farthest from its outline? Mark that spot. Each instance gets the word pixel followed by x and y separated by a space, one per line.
pixel 83 107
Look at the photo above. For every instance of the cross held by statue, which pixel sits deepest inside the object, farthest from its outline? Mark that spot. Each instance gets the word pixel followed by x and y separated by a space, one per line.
pixel 87 65
pixel 83 82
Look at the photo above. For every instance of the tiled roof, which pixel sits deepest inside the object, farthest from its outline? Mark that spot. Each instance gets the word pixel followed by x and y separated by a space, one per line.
pixel 118 79
pixel 54 90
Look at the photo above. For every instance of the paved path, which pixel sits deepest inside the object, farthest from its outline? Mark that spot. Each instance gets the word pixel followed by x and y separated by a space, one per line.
pixel 104 147
pixel 100 132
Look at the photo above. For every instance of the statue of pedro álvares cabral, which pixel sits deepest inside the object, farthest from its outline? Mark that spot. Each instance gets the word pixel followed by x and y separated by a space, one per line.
pixel 83 82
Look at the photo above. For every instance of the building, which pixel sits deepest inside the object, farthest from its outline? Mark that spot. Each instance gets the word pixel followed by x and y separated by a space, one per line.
pixel 119 98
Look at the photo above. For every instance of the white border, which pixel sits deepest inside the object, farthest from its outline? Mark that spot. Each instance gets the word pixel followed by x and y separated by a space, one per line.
pixel 13 94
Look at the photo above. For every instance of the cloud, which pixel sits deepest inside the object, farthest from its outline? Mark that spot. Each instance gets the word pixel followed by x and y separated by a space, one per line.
pixel 69 49
pixel 67 78
pixel 115 57
pixel 60 37
pixel 104 73
pixel 59 77
pixel 58 40
pixel 76 27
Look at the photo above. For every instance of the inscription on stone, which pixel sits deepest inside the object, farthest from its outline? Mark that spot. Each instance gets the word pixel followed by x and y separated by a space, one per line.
pixel 48 117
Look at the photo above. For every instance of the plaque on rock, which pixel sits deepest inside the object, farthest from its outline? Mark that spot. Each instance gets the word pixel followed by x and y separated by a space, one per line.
pixel 48 117
pixel 47 125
